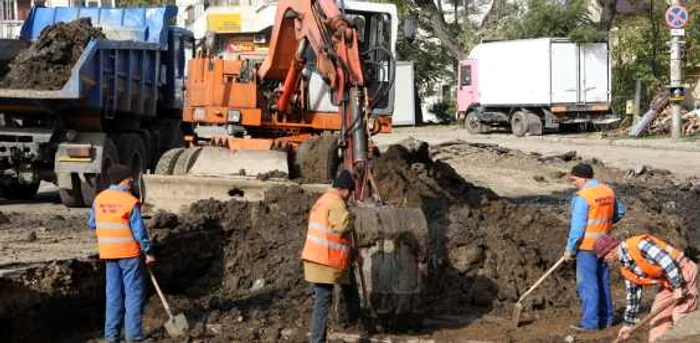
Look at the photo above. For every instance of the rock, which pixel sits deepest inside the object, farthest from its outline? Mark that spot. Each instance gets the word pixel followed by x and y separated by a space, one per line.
pixel 258 285
pixel 465 257
pixel 554 156
pixel 29 237
pixel 695 188
pixel 288 333
pixel 4 219
pixel 539 178
pixel 569 339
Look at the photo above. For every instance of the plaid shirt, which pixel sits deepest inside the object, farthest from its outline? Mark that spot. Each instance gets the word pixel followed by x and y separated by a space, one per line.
pixel 654 255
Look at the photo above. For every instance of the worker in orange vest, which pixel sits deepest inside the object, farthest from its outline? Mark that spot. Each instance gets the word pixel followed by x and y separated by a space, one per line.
pixel 594 210
pixel 646 260
pixel 122 239
pixel 327 254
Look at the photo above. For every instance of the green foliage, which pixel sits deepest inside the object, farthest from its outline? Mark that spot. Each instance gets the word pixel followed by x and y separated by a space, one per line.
pixel 444 111
pixel 140 3
pixel 551 18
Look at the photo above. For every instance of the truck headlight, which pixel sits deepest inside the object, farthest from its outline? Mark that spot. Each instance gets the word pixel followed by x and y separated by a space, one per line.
pixel 234 116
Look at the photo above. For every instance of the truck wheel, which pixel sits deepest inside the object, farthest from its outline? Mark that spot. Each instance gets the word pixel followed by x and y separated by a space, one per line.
pixel 474 125
pixel 132 152
pixel 166 163
pixel 72 197
pixel 519 124
pixel 95 183
pixel 152 147
pixel 186 161
pixel 18 191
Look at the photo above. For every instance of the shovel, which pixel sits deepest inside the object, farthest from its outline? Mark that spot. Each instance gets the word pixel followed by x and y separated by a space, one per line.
pixel 519 306
pixel 176 326
pixel 649 317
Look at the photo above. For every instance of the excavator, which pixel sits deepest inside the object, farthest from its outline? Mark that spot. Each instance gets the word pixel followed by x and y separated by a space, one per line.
pixel 311 106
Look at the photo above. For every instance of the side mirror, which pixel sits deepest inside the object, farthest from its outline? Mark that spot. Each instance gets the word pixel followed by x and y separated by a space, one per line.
pixel 410 24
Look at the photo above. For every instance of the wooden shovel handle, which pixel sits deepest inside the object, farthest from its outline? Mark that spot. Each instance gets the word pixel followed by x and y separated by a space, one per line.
pixel 649 317
pixel 160 294
pixel 550 271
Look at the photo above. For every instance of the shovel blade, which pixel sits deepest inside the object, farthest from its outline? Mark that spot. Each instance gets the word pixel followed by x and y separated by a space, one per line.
pixel 515 319
pixel 177 326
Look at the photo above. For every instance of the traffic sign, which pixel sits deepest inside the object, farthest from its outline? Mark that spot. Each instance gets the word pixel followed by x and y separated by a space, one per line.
pixel 677 17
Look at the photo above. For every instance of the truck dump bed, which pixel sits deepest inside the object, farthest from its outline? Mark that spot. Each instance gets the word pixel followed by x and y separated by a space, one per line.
pixel 118 74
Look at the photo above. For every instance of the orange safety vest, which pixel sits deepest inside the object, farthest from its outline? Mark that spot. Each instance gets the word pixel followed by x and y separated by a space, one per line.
pixel 324 244
pixel 601 209
pixel 114 236
pixel 654 273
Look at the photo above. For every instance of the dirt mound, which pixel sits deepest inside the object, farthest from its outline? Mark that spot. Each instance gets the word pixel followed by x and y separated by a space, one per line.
pixel 47 63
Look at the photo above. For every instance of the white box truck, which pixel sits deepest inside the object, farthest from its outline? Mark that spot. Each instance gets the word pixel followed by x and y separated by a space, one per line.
pixel 534 84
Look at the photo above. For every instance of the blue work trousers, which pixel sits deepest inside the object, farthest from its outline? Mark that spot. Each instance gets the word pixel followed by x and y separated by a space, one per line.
pixel 323 298
pixel 125 298
pixel 593 284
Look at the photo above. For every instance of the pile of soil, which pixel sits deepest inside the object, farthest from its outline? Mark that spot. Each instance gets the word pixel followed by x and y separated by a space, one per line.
pixel 47 63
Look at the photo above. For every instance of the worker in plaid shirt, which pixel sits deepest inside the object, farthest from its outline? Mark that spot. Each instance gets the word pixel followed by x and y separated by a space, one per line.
pixel 646 260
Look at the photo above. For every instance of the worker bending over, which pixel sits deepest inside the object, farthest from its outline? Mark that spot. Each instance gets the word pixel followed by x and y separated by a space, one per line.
pixel 594 210
pixel 327 254
pixel 646 260
pixel 121 239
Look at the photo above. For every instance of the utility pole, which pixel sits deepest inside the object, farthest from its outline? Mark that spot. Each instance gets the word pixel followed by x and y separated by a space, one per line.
pixel 676 18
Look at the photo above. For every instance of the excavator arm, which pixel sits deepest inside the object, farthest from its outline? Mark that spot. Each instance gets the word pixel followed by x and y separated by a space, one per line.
pixel 322 27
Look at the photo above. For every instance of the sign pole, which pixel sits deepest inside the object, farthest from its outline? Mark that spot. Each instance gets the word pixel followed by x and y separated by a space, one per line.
pixel 676 18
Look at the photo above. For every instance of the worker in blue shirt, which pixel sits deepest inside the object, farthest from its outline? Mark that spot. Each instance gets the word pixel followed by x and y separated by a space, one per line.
pixel 594 210
pixel 122 239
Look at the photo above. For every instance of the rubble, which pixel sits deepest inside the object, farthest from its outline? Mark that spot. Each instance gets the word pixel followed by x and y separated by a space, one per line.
pixel 233 267
pixel 47 63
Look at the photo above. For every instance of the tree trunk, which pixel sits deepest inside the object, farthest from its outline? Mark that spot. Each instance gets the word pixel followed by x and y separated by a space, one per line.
pixel 439 27
pixel 607 14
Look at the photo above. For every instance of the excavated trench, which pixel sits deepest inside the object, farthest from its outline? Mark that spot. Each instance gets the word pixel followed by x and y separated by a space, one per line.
pixel 233 267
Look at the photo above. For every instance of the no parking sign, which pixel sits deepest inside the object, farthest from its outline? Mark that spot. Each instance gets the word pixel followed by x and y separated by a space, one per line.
pixel 677 16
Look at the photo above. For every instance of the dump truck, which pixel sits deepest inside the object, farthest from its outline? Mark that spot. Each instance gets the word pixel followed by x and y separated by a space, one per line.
pixel 307 108
pixel 532 85
pixel 121 104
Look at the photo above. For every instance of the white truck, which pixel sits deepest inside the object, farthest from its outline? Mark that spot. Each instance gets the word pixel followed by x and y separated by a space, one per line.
pixel 531 85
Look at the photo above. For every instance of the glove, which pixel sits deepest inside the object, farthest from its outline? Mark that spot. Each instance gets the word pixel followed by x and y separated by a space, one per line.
pixel 569 256
pixel 150 259
pixel 679 293
pixel 624 333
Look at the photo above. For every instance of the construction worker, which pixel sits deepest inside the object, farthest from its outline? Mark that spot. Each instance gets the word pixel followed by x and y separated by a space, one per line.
pixel 122 239
pixel 594 210
pixel 646 260
pixel 327 254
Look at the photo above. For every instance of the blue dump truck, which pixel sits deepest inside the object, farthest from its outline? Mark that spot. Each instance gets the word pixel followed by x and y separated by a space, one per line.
pixel 122 102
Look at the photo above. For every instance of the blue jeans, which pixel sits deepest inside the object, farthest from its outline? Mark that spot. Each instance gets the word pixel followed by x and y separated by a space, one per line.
pixel 125 291
pixel 323 298
pixel 593 284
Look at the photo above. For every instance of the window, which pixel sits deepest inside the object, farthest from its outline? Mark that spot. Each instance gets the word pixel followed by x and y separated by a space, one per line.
pixel 465 75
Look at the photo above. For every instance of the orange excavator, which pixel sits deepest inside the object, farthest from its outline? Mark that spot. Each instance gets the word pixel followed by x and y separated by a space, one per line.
pixel 247 119
pixel 314 102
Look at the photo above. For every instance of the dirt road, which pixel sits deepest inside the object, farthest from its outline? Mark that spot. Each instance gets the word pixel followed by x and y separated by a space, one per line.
pixel 684 161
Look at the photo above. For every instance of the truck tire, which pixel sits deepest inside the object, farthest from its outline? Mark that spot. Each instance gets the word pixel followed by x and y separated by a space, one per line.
pixel 18 191
pixel 519 123
pixel 132 152
pixel 474 125
pixel 186 161
pixel 72 197
pixel 95 183
pixel 166 163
